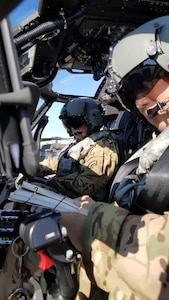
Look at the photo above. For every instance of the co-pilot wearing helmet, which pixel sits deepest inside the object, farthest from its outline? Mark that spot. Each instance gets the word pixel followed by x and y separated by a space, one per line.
pixel 86 165
pixel 138 71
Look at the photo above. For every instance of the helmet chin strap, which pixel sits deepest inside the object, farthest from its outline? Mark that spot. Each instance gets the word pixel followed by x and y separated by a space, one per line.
pixel 159 106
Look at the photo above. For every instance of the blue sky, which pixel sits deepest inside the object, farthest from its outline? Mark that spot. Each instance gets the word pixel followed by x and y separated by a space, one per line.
pixel 64 82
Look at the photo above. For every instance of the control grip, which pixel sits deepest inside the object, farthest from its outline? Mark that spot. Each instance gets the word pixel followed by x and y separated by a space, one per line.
pixel 68 283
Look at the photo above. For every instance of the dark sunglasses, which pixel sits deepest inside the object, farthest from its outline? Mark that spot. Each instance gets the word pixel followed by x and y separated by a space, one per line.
pixel 77 133
pixel 75 121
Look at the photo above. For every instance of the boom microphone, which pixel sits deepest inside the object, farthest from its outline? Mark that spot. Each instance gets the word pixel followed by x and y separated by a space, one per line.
pixel 153 111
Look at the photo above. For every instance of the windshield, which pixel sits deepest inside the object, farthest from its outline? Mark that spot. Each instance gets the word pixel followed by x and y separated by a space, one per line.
pixel 23 11
pixel 65 82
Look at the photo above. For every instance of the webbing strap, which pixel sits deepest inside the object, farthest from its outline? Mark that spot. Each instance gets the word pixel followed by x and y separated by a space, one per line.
pixel 123 171
pixel 154 195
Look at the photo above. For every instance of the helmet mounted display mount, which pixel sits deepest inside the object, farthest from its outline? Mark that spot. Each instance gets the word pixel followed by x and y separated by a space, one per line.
pixel 155 46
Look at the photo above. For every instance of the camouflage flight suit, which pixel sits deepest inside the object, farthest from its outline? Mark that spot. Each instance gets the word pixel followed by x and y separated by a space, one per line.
pixel 148 154
pixel 126 255
pixel 84 168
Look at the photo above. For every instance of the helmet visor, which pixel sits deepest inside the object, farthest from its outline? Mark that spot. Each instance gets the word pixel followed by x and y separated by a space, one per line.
pixel 74 121
pixel 138 81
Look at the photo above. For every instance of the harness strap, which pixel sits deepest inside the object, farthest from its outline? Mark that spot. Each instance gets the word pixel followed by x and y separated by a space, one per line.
pixel 154 195
pixel 123 171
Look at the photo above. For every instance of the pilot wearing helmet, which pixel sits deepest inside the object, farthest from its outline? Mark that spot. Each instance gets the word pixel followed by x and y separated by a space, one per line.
pixel 86 165
pixel 81 117
pixel 142 84
pixel 124 253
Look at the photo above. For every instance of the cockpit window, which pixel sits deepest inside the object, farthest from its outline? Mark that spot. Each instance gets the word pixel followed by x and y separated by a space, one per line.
pixel 23 11
pixel 76 82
